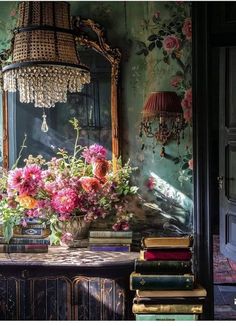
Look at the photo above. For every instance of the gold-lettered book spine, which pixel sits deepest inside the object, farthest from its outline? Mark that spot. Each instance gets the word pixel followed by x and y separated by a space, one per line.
pixel 167 308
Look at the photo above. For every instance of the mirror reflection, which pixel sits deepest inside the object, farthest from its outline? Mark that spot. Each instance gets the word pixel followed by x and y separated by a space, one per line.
pixel 92 107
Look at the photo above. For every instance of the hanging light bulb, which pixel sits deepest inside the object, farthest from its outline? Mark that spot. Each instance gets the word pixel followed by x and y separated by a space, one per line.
pixel 44 127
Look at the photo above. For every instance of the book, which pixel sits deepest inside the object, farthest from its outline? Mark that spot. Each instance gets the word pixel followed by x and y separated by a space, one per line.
pixel 166 300
pixel 30 231
pixel 166 317
pixel 167 242
pixel 167 309
pixel 121 248
pixel 19 240
pixel 161 282
pixel 110 234
pixel 27 248
pixel 110 240
pixel 198 291
pixel 165 254
pixel 162 267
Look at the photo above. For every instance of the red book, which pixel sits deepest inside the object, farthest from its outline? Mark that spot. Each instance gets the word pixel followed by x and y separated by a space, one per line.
pixel 166 254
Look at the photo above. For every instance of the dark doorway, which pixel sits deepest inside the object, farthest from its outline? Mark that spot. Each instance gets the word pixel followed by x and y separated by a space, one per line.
pixel 214 39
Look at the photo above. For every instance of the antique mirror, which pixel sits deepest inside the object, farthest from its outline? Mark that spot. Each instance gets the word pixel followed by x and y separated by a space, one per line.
pixel 95 107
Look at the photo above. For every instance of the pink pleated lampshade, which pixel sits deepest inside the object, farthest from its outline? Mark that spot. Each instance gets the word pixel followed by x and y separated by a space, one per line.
pixel 162 104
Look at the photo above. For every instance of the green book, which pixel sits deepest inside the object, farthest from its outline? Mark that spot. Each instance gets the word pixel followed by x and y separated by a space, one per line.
pixel 166 317
pixel 161 282
pixel 110 234
pixel 167 309
pixel 162 267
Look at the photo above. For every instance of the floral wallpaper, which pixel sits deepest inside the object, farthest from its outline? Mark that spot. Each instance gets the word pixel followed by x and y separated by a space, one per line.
pixel 155 38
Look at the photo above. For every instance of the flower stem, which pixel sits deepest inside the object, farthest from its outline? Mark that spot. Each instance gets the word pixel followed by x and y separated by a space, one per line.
pixel 20 153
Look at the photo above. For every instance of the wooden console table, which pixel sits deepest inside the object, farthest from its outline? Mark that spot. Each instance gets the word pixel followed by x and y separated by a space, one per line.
pixel 66 284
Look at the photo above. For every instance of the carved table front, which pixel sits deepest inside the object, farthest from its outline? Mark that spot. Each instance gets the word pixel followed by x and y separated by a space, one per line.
pixel 66 284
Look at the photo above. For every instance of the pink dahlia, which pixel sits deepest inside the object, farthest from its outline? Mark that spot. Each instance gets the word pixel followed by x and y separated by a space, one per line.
pixel 32 173
pixel 65 201
pixel 94 152
pixel 90 184
pixel 15 179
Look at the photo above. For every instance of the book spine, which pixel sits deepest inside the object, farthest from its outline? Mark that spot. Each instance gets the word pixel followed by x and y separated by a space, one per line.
pixel 166 317
pixel 110 234
pixel 180 242
pixel 110 248
pixel 166 309
pixel 162 267
pixel 161 282
pixel 168 300
pixel 23 248
pixel 26 241
pixel 110 241
pixel 152 254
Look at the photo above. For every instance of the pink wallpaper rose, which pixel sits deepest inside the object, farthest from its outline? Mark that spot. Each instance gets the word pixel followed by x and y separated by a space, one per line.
pixel 187 28
pixel 171 43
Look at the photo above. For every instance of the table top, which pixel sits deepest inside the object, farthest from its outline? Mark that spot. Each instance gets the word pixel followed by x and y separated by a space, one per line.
pixel 65 257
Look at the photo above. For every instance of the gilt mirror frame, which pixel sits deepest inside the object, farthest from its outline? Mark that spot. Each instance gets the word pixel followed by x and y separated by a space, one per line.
pixel 113 56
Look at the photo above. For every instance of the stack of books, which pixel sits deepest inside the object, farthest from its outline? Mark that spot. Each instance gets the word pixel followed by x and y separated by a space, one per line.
pixel 110 240
pixel 30 239
pixel 164 281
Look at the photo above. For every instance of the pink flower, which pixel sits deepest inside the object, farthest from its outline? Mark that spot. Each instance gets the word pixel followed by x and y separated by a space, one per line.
pixel 23 223
pixel 25 181
pixel 121 226
pixel 90 184
pixel 188 115
pixel 187 100
pixel 65 201
pixel 66 237
pixel 175 81
pixel 190 164
pixel 32 173
pixel 93 152
pixel 15 178
pixel 171 43
pixel 151 183
pixel 100 168
pixel 187 29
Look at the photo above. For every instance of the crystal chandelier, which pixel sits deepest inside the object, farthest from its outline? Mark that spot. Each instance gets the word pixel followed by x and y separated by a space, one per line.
pixel 162 118
pixel 45 63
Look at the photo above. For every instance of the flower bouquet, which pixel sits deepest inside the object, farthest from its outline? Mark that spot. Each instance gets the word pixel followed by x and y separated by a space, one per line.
pixel 82 184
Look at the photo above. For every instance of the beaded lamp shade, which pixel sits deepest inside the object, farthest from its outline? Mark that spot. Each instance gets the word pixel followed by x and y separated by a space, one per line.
pixel 162 117
pixel 45 61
